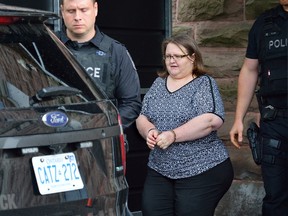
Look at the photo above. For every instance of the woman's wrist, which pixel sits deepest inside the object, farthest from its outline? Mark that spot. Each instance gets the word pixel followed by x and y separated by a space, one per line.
pixel 174 134
pixel 151 130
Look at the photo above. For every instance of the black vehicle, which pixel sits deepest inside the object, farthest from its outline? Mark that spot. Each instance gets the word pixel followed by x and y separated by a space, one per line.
pixel 61 149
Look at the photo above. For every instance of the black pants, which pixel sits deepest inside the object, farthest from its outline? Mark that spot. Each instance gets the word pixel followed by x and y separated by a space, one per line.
pixel 275 178
pixel 197 195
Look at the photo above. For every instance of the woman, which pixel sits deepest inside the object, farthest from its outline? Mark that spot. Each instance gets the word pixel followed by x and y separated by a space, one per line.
pixel 189 169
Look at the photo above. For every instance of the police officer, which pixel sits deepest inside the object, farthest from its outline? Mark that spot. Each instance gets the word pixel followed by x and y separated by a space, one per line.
pixel 106 60
pixel 266 64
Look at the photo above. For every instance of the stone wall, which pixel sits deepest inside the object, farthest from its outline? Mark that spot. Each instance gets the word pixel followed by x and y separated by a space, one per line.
pixel 221 28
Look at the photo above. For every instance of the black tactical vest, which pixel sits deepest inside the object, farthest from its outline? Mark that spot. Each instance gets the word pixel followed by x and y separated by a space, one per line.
pixel 273 60
pixel 97 63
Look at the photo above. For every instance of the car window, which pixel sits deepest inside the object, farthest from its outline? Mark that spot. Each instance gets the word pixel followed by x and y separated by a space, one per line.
pixel 33 59
pixel 21 77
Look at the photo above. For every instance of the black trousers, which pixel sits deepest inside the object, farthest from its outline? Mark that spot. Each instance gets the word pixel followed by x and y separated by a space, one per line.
pixel 275 178
pixel 197 195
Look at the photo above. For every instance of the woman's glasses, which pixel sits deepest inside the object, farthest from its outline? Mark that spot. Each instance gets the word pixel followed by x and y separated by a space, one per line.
pixel 174 57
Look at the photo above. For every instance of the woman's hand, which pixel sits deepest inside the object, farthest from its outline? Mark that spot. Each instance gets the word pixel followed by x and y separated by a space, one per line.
pixel 165 139
pixel 151 138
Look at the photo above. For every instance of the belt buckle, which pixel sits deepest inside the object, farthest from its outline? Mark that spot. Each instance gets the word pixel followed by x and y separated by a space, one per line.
pixel 269 113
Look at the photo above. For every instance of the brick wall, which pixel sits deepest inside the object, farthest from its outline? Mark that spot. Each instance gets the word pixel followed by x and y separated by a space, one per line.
pixel 221 28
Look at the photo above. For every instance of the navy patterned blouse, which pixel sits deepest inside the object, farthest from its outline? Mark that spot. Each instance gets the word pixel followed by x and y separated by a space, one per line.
pixel 168 110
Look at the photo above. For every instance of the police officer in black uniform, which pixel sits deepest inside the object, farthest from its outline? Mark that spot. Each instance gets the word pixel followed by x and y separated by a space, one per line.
pixel 266 63
pixel 106 60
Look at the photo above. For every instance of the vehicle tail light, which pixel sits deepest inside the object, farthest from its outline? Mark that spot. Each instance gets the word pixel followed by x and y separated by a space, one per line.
pixel 123 147
pixel 8 19
pixel 89 202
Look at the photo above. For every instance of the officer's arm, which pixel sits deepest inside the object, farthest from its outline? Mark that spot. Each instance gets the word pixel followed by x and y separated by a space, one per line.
pixel 128 90
pixel 246 87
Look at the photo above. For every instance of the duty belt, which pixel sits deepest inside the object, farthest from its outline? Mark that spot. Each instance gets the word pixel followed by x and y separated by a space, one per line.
pixel 270 113
pixel 282 113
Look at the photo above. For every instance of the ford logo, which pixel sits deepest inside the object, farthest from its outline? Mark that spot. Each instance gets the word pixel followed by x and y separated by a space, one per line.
pixel 55 119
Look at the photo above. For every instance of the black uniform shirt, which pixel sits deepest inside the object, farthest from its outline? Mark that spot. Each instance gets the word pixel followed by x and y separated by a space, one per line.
pixel 277 128
pixel 256 30
pixel 112 68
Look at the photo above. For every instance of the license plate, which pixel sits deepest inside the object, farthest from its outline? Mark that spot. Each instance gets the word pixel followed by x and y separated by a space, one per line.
pixel 57 173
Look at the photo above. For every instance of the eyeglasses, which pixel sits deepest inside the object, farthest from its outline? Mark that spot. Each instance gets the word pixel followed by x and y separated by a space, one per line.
pixel 174 57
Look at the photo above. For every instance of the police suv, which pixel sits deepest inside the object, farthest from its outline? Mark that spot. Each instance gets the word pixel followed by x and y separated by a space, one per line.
pixel 61 141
